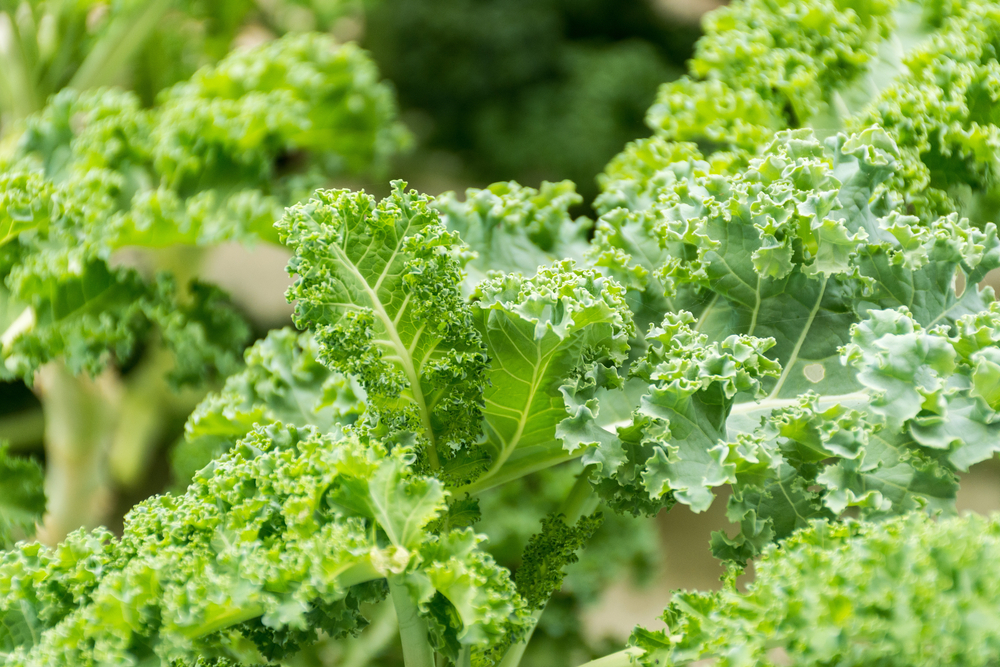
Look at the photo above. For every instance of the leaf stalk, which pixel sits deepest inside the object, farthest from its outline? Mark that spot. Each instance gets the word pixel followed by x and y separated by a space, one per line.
pixel 417 651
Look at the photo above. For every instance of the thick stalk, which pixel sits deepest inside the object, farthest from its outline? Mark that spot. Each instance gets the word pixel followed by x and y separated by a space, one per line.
pixel 580 500
pixel 18 91
pixel 513 656
pixel 79 421
pixel 417 651
pixel 148 402
pixel 148 405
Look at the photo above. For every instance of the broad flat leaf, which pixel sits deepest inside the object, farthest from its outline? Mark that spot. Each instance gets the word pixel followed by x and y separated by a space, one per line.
pixel 546 337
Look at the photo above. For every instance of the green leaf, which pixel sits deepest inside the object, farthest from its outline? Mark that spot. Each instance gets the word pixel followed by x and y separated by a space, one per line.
pixel 42 586
pixel 681 420
pixel 25 204
pixel 760 68
pixel 923 71
pixel 858 593
pixel 380 286
pixel 799 246
pixel 547 554
pixel 925 380
pixel 283 535
pixel 99 185
pixel 547 336
pixel 282 382
pixel 404 507
pixel 22 497
pixel 477 604
pixel 513 228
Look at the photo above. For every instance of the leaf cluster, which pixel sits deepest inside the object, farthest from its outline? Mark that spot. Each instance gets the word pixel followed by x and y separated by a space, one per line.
pixel 764 302
pixel 851 593
pixel 99 192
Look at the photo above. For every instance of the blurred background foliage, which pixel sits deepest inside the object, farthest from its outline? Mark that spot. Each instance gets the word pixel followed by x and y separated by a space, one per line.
pixel 143 45
pixel 494 89
pixel 528 90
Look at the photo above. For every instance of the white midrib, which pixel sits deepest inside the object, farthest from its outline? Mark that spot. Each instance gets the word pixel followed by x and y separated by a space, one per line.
pixel 405 358
pixel 778 403
pixel 756 308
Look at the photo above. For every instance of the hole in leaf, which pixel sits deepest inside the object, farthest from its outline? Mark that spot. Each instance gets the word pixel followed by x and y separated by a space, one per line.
pixel 814 373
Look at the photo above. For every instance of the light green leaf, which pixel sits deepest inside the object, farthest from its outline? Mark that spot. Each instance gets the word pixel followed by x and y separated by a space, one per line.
pixel 282 382
pixel 513 228
pixel 403 507
pixel 380 286
pixel 856 592
pixel 546 336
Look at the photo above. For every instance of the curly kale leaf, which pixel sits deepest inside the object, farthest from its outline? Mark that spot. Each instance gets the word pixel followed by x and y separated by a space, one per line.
pixel 283 382
pixel 380 285
pixel 851 593
pixel 924 70
pixel 553 340
pixel 303 93
pixel 99 192
pixel 513 228
pixel 547 554
pixel 782 262
pixel 764 66
pixel 926 410
pixel 280 537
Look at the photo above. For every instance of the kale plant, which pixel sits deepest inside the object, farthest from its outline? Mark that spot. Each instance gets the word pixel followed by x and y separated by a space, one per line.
pixel 782 294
